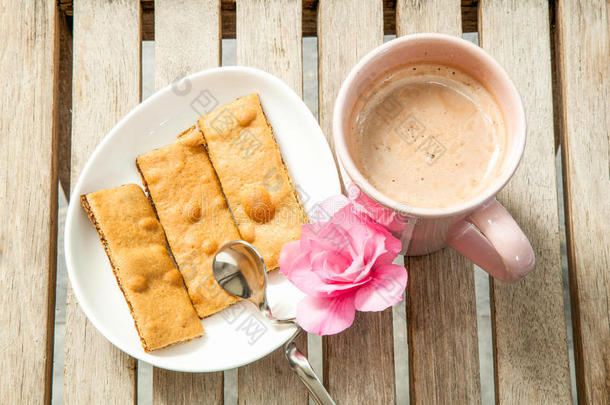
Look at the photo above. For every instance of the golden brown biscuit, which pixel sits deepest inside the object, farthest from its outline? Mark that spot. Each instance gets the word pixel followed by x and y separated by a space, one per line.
pixel 186 194
pixel 254 178
pixel 136 247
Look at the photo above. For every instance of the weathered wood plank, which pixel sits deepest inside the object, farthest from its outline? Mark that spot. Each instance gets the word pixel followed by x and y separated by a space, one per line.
pixel 346 32
pixel 307 23
pixel 442 16
pixel 28 198
pixel 358 363
pixel 106 85
pixel 171 387
pixel 269 38
pixel 441 304
pixel 442 330
pixel 530 343
pixel 584 51
pixel 273 46
pixel 181 50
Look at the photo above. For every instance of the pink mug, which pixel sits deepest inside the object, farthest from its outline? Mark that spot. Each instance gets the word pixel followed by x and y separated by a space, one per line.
pixel 480 229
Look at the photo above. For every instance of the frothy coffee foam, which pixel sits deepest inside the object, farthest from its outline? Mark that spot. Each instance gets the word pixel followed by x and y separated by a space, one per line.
pixel 429 136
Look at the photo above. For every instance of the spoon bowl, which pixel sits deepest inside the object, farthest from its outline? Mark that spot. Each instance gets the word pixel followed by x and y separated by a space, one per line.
pixel 240 270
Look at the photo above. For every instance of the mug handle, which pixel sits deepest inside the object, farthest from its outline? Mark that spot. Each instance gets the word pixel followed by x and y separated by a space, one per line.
pixel 491 239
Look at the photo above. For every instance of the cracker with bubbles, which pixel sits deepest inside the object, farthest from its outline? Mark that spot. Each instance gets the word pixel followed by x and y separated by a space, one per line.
pixel 187 197
pixel 254 178
pixel 135 245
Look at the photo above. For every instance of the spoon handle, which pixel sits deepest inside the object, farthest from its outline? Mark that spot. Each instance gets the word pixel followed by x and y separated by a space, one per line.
pixel 300 365
pixel 289 321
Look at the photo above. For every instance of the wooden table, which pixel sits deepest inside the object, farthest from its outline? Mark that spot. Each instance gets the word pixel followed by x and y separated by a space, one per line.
pixel 64 86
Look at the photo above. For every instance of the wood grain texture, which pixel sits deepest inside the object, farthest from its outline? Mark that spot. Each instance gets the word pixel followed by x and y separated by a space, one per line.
pixel 530 343
pixel 359 362
pixel 346 32
pixel 442 330
pixel 172 387
pixel 106 85
pixel 181 50
pixel 270 380
pixel 413 16
pixel 441 302
pixel 584 52
pixel 187 38
pixel 28 199
pixel 269 38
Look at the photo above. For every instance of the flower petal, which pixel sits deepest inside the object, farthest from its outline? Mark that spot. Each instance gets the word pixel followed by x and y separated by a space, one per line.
pixel 383 290
pixel 326 316
pixel 327 264
pixel 289 253
pixel 296 266
pixel 298 270
pixel 393 246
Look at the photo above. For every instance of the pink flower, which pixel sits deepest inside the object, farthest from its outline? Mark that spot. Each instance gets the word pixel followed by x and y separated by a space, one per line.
pixel 343 263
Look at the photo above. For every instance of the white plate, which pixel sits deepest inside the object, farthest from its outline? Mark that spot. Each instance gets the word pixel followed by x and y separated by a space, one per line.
pixel 235 336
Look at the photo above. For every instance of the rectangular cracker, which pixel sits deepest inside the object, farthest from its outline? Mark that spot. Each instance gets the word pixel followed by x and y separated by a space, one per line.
pixel 135 245
pixel 253 175
pixel 187 197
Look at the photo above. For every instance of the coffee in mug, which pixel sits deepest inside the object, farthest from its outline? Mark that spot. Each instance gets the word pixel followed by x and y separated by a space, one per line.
pixel 428 135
